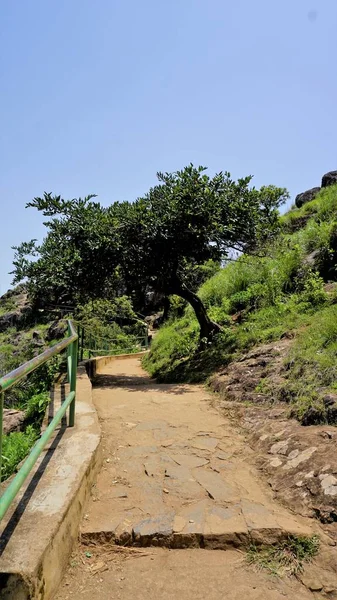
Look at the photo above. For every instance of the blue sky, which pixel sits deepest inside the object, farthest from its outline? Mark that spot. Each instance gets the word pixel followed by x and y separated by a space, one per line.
pixel 96 97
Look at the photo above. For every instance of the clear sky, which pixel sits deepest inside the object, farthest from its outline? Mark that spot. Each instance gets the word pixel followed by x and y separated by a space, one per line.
pixel 97 96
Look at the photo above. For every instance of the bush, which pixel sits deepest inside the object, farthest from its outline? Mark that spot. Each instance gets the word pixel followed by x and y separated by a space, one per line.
pixel 15 448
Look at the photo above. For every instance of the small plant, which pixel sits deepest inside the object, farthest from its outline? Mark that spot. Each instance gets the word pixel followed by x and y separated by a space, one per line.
pixel 287 557
pixel 36 406
pixel 313 290
pixel 15 448
pixel 263 387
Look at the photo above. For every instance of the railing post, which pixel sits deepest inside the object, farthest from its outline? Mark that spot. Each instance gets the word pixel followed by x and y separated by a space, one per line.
pixel 146 338
pixel 82 344
pixel 1 428
pixel 73 374
pixel 69 356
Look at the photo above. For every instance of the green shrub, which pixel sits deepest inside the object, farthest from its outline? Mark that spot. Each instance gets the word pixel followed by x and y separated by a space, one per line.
pixel 36 406
pixel 313 290
pixel 15 448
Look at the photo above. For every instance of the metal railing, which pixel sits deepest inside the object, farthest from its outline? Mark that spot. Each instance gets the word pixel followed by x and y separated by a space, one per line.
pixel 11 379
pixel 95 344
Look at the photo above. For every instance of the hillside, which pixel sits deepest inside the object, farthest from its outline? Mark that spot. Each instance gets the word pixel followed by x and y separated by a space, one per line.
pixel 26 331
pixel 285 293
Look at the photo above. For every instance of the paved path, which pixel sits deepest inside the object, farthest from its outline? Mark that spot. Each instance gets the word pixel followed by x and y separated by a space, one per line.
pixel 175 472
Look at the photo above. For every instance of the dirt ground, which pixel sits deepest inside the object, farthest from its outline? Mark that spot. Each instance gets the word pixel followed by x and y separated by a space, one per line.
pixel 153 573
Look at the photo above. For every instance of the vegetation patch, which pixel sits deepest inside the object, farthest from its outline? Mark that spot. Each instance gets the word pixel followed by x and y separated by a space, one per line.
pixel 280 292
pixel 286 558
pixel 15 448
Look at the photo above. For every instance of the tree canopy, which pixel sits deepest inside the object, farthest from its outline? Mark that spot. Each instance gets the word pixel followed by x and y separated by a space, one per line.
pixel 155 243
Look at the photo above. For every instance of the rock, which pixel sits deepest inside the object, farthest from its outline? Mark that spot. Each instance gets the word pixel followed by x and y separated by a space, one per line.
pixel 301 457
pixel 217 489
pixel 329 399
pixel 37 338
pixel 307 196
pixel 331 414
pixel 311 258
pixel 159 527
pixel 154 321
pixel 279 448
pixel 18 308
pixel 191 461
pixel 293 454
pixel 9 319
pixel 329 179
pixel 13 420
pixel 56 331
pixel 314 585
pixel 328 483
pixel 312 416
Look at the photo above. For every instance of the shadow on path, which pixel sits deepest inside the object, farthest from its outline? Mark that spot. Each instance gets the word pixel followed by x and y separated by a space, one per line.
pixel 133 383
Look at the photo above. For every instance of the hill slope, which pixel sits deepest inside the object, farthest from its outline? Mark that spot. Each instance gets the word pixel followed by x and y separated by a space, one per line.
pixel 288 292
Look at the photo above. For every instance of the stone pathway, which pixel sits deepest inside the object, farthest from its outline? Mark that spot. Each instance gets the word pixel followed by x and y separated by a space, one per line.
pixel 175 472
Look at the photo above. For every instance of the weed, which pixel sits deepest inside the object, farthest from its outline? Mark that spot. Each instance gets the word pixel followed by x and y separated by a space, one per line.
pixel 287 557
pixel 15 448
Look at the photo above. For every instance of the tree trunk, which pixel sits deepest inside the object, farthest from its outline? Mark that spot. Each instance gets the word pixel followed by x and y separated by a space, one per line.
pixel 208 328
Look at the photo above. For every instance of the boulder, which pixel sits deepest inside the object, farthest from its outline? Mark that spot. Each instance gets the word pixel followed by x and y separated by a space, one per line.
pixel 9 319
pixel 329 179
pixel 37 338
pixel 313 416
pixel 331 414
pixel 56 331
pixel 13 420
pixel 307 196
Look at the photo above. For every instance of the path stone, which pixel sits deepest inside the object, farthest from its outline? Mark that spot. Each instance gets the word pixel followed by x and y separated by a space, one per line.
pixel 157 528
pixel 216 488
pixel 205 443
pixel 179 476
pixel 190 461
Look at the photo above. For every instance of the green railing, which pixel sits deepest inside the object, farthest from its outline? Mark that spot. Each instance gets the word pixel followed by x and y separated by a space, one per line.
pixel 71 344
pixel 94 344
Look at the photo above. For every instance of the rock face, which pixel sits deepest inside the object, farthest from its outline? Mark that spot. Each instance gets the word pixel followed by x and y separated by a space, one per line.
pixel 307 196
pixel 329 179
pixel 17 307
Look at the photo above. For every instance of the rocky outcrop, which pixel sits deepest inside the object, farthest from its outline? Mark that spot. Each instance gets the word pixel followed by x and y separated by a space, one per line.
pixel 16 308
pixel 307 196
pixel 245 380
pixel 329 179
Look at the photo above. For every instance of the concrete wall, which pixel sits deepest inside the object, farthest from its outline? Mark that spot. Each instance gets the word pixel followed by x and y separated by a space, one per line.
pixel 95 366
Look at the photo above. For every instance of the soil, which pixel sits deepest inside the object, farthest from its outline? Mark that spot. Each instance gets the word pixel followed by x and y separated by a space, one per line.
pixel 149 574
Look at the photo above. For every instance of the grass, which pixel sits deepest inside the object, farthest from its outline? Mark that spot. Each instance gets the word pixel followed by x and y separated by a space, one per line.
pixel 15 448
pixel 311 367
pixel 286 558
pixel 174 355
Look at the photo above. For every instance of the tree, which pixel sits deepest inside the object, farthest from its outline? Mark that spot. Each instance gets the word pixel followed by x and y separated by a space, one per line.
pixel 79 257
pixel 156 243
pixel 188 219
